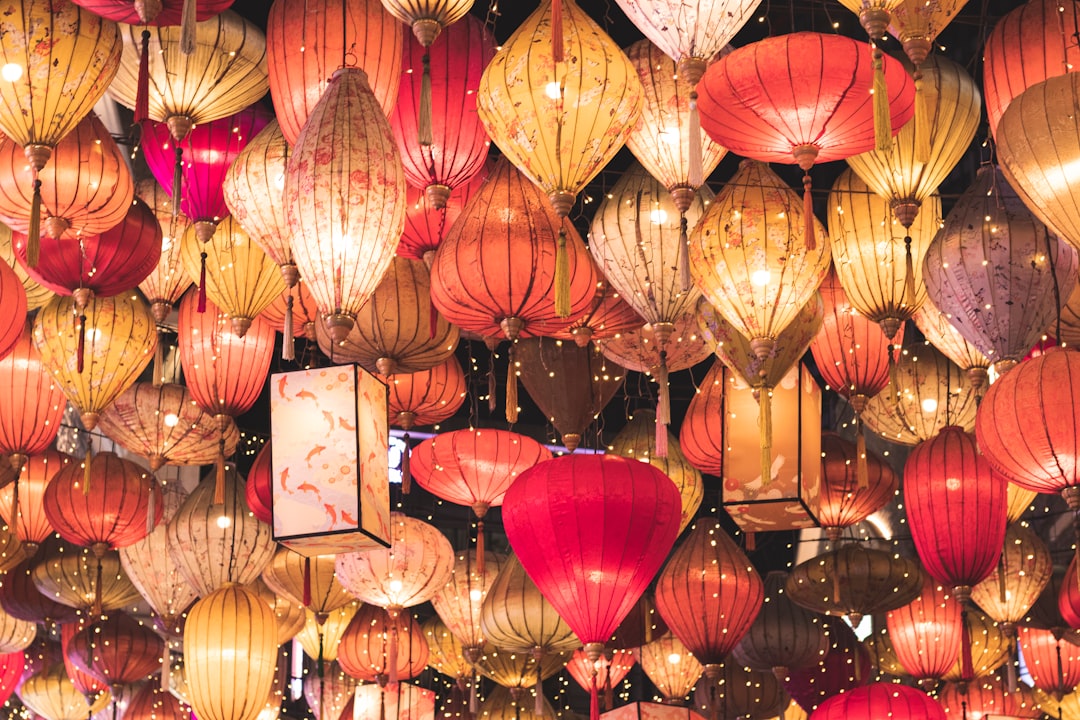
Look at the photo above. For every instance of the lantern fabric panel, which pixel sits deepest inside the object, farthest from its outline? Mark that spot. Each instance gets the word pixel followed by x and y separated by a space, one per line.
pixel 321 636
pixel 516 616
pixel 519 670
pixel 640 350
pixel 52 695
pixel 378 646
pixel 330 695
pixel 120 649
pixel 445 653
pixel 296 577
pixel 36 295
pixel 1054 664
pixel 69 575
pixel 684 30
pixel 670 666
pixel 936 328
pixel 783 635
pixel 426 397
pixel 460 601
pixel 427 225
pixel 608 317
pixel 926 633
pixel 31 524
pixel 844 501
pixel 167 282
pixel 31 403
pixel 881 699
pixel 701 434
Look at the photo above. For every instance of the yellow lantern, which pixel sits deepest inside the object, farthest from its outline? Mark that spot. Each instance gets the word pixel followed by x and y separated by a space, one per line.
pixel 560 122
pixel 989 647
pixel 936 328
pixel 1018 579
pixel 230 654
pixel 15 634
pixel 168 281
pixel 50 694
pixel 291 616
pixel 97 352
pixel 36 295
pixel 240 278
pixel 322 633
pixel 458 603
pixel 671 667
pixel 446 655
pixel 76 577
pixel 878 263
pixel 510 704
pixel 516 616
pixel 307 581
pixel 518 670
pixel 345 199
pixel 1019 500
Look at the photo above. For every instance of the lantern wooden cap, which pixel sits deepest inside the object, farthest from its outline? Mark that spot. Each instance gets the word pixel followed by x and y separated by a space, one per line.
pixel 875 20
pixel 426 30
pixel 37 155
pixel 437 195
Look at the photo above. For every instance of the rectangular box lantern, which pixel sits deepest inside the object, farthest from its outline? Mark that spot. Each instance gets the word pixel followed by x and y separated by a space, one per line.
pixel 651 711
pixel 329 436
pixel 788 500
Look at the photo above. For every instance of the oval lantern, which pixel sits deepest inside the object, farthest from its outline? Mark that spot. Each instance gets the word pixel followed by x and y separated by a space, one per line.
pixel 926 633
pixel 426 225
pixel 410 701
pixel 783 636
pixel 30 523
pixel 701 435
pixel 459 602
pixel 378 647
pixel 995 271
pixel 321 636
pixel 1052 662
pixel 936 327
pixel 881 699
pixel 97 358
pixel 344 260
pixel 81 579
pixel 608 316
pixel 230 654
pixel 642 518
pixel 670 666
pixel 496 271
pixel 445 652
pixel 516 616
pixel 31 403
pixel 167 282
pixel 845 498
pixel 303 56
pixel 153 703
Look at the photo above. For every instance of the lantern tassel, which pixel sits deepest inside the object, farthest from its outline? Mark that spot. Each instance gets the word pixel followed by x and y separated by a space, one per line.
pixel 423 124
pixel 177 178
pixel 696 171
pixel 150 503
pixel 1010 669
pixel 684 254
pixel 480 566
pixel 808 212
pixel 511 390
pixel 609 692
pixel 909 272
pixel 538 706
pixel 967 670
pixel 922 119
pixel 406 466
pixel 1002 594
pixel 159 360
pixel 882 118
pixel 201 307
pixel 392 651
pixel 751 542
pixel 33 233
pixel 80 346
pixel 307 582
pixel 836 580
pixel 474 700
pixel 562 277
pixel 557 54
pixel 382 705
pixel 142 89
pixel 166 666
pixel 96 609
pixel 288 346
pixel 765 428
pixel 219 479
pixel 663 406
pixel 492 404
pixel 187 27
pixel 594 700
pixel 862 475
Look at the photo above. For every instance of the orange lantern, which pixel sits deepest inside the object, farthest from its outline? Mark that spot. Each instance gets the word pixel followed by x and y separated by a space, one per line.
pixel 609 316
pixel 321 635
pixel 926 633
pixel 609 670
pixel 517 671
pixel 987 699
pixel 426 225
pixel 426 397
pixel 380 647
pixel 164 286
pixel 345 165
pixel 1053 663
pixel 304 312
pixel 1012 588
pixel 22 503
pixel 845 498
pixel 701 435
pixel 459 602
pixel 31 403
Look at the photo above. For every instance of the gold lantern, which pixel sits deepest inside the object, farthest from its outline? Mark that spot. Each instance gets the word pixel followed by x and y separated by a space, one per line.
pixel 76 577
pixel 36 295
pixel 164 286
pixel 509 704
pixel 1014 585
pixel 459 602
pixel 518 670
pixel 15 634
pixel 445 653
pixel 12 550
pixel 516 616
pixel 926 393
pixel 291 616
pixel 559 102
pixel 96 352
pixel 1019 500
pixel 329 438
pixel 322 634
pixel 52 695
pixel 307 581
pixel 879 269
pixel 230 654
pixel 936 328
pixel 345 199
pixel 671 667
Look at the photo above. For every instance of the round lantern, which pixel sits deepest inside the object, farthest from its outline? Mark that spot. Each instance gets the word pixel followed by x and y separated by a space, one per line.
pixel 329 692
pixel 741 692
pixel 846 666
pixel 845 498
pixel 216 543
pixel 519 671
pixel 608 316
pixel 345 165
pixel 52 695
pixel 783 635
pixel 609 671
pixel 398 329
pixel 437 128
pixel 89 683
pixel 230 654
pixel 570 384
pixel 31 403
pixel 943 335
pixel 1052 662
pixel 303 56
pixel 12 551
pixel 306 581
pixel 167 282
pixel 96 352
pixel 497 271
pixel 426 397
pixel 986 699
pixel 574 113
pixel 321 635
pixel 11 673
pixel 380 647
pixel 16 634
pixel 881 699
pixel 118 649
pixel 879 269
pixel 517 617
pixel 459 602
pixel 670 666
pixel 80 578
pixel 426 225
pixel 84 190
pixel 927 393
pixel 926 633
pixel 701 435
pixel 26 514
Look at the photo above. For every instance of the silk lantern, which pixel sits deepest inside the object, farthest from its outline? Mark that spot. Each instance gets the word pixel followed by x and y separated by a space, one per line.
pixel 291 616
pixel 427 397
pixel 444 651
pixel 230 654
pixel 22 501
pixel 303 57
pixel 410 702
pixel 31 404
pixel 575 491
pixel 426 225
pixel 345 259
pixel 329 693
pixel 701 435
pixel 321 635
pixel 328 428
pixel 741 692
pixel 441 150
pixel 89 683
pixel 52 695
pixel 36 295
pixel 518 671
pixel 153 703
pixel 846 497
pixel 783 635
pixel 113 342
pixel 259 491
pixel 71 576
pixel 670 666
pixel 460 601
pixel 926 633
pixel 1053 663
pixel 380 648
pixel 63 58
pixel 608 316
pixel 167 282
pixel 987 646
pixel 609 671
pixel 20 598
pixel 516 616
pixel 935 327
pixel 997 272
pixel 307 582
pixel 496 273
pixel 988 698
pixel 881 699
pixel 118 648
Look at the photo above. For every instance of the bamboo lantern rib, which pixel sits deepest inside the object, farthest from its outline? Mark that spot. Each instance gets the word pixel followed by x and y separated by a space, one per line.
pixel 32 526
pixel 329 692
pixel 36 295
pixel 226 73
pixel 303 55
pixel 676 679
pixel 783 635
pixel 608 316
pixel 515 616
pixel 393 330
pixel 295 577
pixel 31 404
pixel 321 636
pixel 935 327
pixel 167 282
pixel 427 397
pixel 639 350
pixel 1041 650
pixel 51 694
pixel 15 634
pixel 291 616
pixel 701 435
pixel 1023 571
pixel 445 653
pixel 119 341
pixel 844 500
pixel 365 653
pixel 460 601
pixel 697 29
pixel 68 575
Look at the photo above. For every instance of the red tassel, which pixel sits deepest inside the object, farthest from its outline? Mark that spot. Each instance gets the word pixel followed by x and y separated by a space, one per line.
pixel 201 307
pixel 142 91
pixel 967 670
pixel 751 542
pixel 480 547
pixel 81 346
pixel 808 212
pixel 594 700
pixel 433 320
pixel 557 35
pixel 307 582
pixel 406 466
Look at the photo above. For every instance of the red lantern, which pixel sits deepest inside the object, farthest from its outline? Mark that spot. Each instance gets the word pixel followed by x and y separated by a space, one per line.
pixel 21 599
pixel 31 403
pixel 161 13
pixel 609 670
pixel 153 703
pixel 426 225
pixel 456 145
pixel 118 649
pixel 926 633
pixel 987 699
pixel 11 672
pixel 12 309
pixel 844 500
pixel 258 491
pixel 1052 662
pixel 86 681
pixel 881 700
pixel 564 518
pixel 366 650
pixel 845 666
pixel 701 437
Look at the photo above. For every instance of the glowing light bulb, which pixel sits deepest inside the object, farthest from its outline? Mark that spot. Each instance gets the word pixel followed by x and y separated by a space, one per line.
pixel 760 277
pixel 674 658
pixel 553 90
pixel 11 72
pixel 171 420
pixel 929 405
pixel 224 521
pixel 658 216
pixel 476 595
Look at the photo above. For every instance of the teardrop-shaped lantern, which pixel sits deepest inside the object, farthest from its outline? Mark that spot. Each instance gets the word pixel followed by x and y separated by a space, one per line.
pixel 321 635
pixel 345 166
pixel 783 636
pixel 97 352
pixel 329 692
pixel 844 499
pixel 517 617
pixel 926 633
pixel 51 694
pixel 701 435
pixel 608 316
pixel 1014 585
pixel 997 272
pixel 167 282
pixel 31 404
pixel 640 350
pixel 459 602
pixel 670 666
pixel 936 327
pixel 1052 662
pixel 308 582
pixel 378 646
pixel 988 647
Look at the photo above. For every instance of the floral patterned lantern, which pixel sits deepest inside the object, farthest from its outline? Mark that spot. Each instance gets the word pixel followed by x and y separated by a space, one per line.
pixel 31 403
pixel 36 295
pixel 640 350
pixel 670 666
pixel 845 498
pixel 460 601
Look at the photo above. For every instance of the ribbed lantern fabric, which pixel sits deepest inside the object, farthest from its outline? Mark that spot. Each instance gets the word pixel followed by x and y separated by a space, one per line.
pixel 459 602
pixel 345 166
pixel 996 271
pixel 987 698
pixel 304 55
pixel 309 582
pixel 783 635
pixel 427 225
pixel 608 316
pixel 1037 144
pixel 95 359
pixel 843 500
pixel 988 646
pixel 709 594
pixel 426 397
pixel 1068 598
pixel 457 145
pixel 211 556
pixel 329 695
pixel 564 120
pixel 230 654
pixel 31 404
pixel 670 666
pixel 36 296
pixel 226 72
pixel 15 634
pixel 20 598
pixel 955 508
pixel 291 616
pixel 1053 663
pixel 153 703
pixel 365 653
pixel 163 424
pixel 105 507
pixel 517 617
pixel 1028 45
pixel 936 328
pixel 445 653
pixel 881 699
pixel 428 18
pixel 397 330
pixel 85 189
pixel 870 252
pixel 926 633
pixel 928 392
pixel 495 272
pixel 519 671
pixel 640 350
pixel 846 666
pixel 11 673
pixel 88 682
pixel 167 282
pixel 610 671
pixel 119 649
pixel 701 434
pixel 31 526
pixel 741 692
pixel 50 694
pixel 69 575
pixel 165 12
pixel 321 636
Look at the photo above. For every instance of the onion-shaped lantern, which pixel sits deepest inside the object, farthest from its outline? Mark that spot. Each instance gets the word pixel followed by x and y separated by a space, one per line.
pixel 345 165
pixel 321 635
pixel 153 703
pixel 459 602
pixel 881 699
pixel 926 633
pixel 95 352
pixel 846 666
pixel 1052 662
pixel 90 684
pixel 516 616
pixel 291 616
pixel 639 350
pixel 496 273
pixel 517 671
pixel 445 653
pixel 329 692
pixel 36 295
pixel 303 56
pixel 426 225
pixel 398 329
pixel 306 581
pixel 741 692
pixel 21 599
pixel 927 393
pixel 844 498
pixel 12 553
pixel 26 513
pixel 936 328
pixel 410 701
pixel 16 634
pixel 304 312
pixel 380 647
pixel 670 666
pixel 167 282
pixel 701 435
pixel 783 635
pixel 50 694
pixel 988 647
pixel 31 404
pixel 117 648
pixel 79 578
